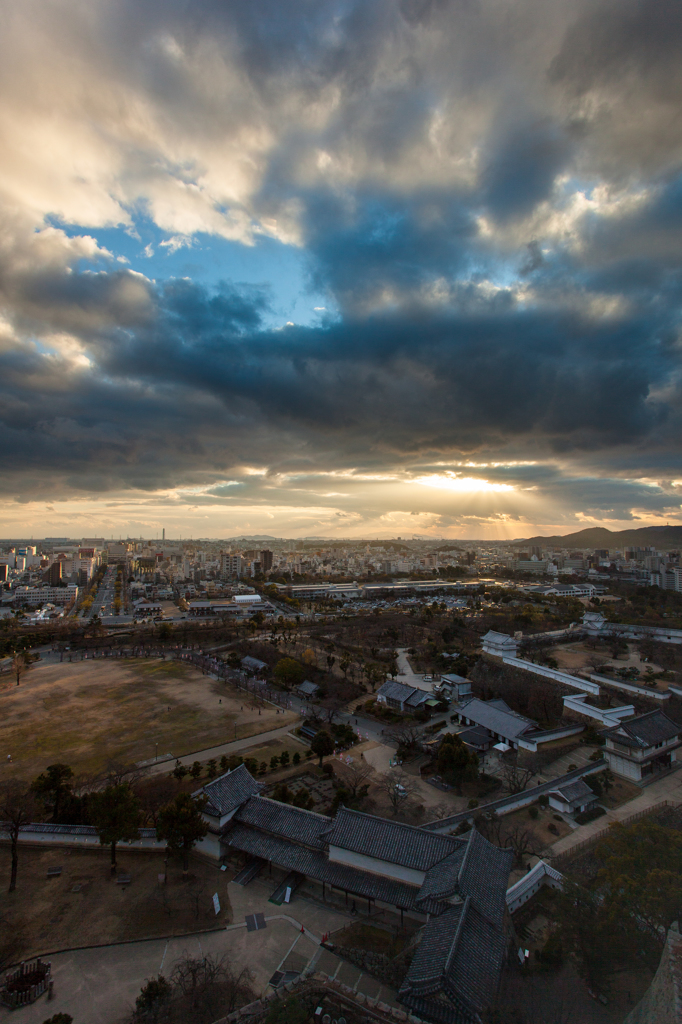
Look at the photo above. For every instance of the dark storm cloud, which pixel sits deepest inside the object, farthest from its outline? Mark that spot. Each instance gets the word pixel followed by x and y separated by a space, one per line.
pixel 489 197
pixel 522 170
pixel 199 387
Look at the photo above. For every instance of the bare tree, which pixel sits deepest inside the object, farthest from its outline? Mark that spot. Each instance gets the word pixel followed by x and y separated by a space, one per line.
pixel 209 986
pixel 20 664
pixel 116 773
pixel 597 662
pixel 153 794
pixel 398 786
pixel 407 740
pixel 331 708
pixel 354 775
pixel 617 642
pixel 17 809
pixel 523 841
pixel 515 777
pixel 490 826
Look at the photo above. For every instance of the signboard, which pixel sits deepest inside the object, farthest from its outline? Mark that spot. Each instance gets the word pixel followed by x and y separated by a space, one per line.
pixel 287 894
pixel 216 903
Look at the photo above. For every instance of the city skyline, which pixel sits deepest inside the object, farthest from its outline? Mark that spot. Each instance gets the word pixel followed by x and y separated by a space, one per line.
pixel 340 270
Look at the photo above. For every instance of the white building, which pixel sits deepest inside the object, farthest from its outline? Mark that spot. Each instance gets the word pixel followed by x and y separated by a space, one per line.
pixel 572 798
pixel 34 596
pixel 499 644
pixel 641 747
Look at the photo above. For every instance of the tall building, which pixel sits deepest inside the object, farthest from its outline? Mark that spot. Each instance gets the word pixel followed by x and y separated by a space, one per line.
pixel 266 559
pixel 230 565
pixel 54 574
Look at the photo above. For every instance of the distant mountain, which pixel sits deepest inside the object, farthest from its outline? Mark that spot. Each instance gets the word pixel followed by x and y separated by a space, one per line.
pixel 665 537
pixel 251 536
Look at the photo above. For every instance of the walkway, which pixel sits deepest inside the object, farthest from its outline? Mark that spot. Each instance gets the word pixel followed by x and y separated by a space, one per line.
pixel 258 739
pixel 578 758
pixel 668 788
pixel 406 673
pixel 99 985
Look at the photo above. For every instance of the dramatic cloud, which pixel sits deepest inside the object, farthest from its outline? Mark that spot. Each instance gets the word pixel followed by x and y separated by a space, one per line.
pixel 484 203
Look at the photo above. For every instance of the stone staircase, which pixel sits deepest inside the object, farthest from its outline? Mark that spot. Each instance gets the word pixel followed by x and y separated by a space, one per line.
pixel 353 705
pixel 355 982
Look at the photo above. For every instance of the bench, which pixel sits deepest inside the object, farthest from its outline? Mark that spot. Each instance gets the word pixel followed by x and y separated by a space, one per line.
pixel 123 880
pixel 54 872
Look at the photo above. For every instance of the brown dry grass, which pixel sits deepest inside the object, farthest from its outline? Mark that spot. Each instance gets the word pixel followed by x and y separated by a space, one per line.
pixel 47 915
pixel 95 711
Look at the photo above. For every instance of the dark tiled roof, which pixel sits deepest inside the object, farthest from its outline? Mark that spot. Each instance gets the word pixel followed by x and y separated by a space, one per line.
pixel 442 879
pixel 484 874
pixel 574 791
pixel 478 870
pixel 251 662
pixel 315 865
pixel 390 841
pixel 41 827
pixel 417 698
pixel 285 821
pixel 496 719
pixel 397 691
pixel 460 955
pixel 307 687
pixel 476 735
pixel 645 731
pixel 229 791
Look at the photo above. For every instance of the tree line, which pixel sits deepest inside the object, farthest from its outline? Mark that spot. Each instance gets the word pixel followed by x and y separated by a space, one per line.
pixel 117 809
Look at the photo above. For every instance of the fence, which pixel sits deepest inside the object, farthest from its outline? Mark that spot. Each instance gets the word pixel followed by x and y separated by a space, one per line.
pixel 24 985
pixel 567 855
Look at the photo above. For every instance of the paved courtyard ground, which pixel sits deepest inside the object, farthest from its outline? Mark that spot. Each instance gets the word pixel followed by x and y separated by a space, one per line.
pixel 99 986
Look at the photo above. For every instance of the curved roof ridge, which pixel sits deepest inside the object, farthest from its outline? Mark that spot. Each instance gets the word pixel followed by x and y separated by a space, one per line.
pixel 293 807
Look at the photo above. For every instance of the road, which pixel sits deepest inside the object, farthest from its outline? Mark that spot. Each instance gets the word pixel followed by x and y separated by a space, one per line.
pixel 406 674
pixel 104 598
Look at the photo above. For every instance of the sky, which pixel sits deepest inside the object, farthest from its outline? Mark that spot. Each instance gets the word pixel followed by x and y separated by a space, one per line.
pixel 340 268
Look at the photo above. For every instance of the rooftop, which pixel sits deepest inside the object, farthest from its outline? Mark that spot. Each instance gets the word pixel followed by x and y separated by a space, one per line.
pixel 497 717
pixel 574 791
pixel 229 791
pixel 393 690
pixel 645 730
pixel 460 956
pixel 390 841
pixel 307 688
pixel 284 820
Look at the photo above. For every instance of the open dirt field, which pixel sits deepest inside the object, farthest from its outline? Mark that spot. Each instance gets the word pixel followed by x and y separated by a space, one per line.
pixel 576 656
pixel 93 712
pixel 45 914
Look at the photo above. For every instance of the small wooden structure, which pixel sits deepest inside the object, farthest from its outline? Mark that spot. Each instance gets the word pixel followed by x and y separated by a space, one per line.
pixel 26 983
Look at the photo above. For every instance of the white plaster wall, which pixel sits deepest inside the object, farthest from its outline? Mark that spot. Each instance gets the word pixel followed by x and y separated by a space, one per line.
pixel 210 845
pixel 377 867
pixel 226 817
pixel 622 767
